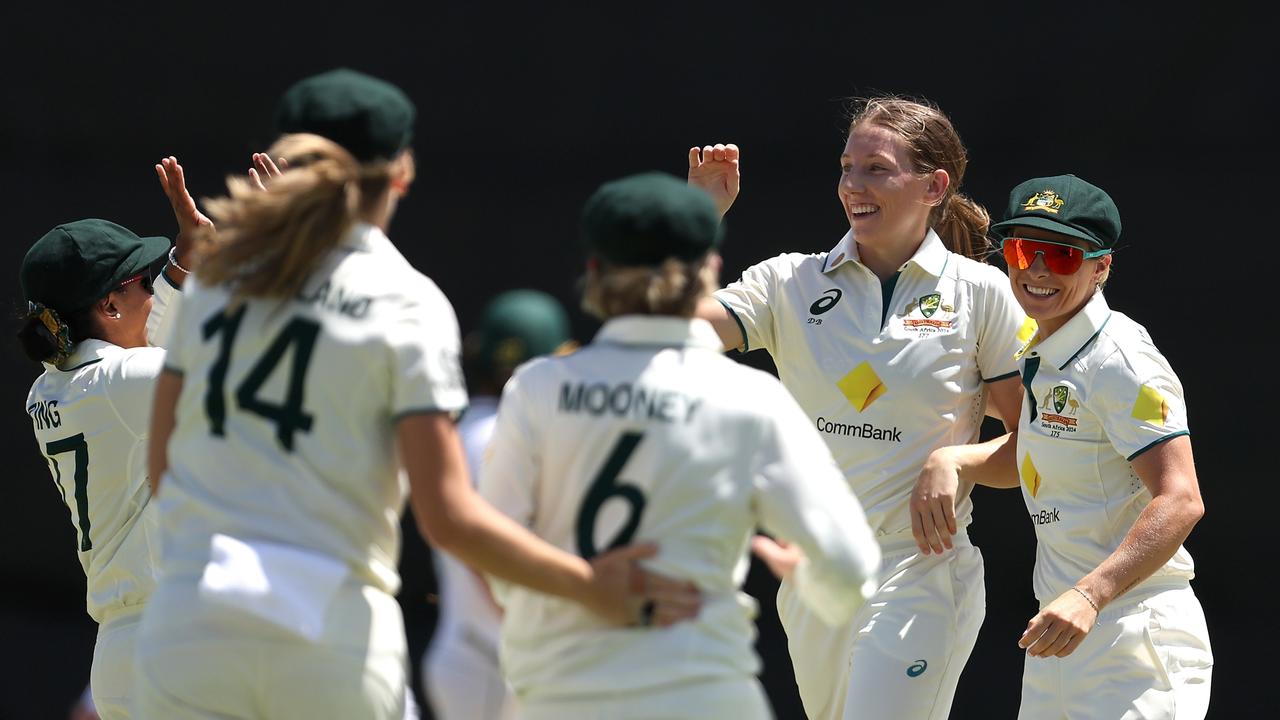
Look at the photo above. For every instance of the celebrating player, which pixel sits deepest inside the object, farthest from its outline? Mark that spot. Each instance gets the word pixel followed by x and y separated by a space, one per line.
pixel 95 319
pixel 1103 455
pixel 305 354
pixel 893 342
pixel 461 673
pixel 650 432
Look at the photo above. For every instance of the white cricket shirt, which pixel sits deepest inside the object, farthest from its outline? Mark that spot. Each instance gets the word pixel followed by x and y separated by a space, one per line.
pixel 91 418
pixel 651 434
pixel 286 422
pixel 887 373
pixel 1099 394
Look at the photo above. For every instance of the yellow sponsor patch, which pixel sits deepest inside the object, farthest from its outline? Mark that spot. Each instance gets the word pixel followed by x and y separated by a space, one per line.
pixel 862 386
pixel 1150 406
pixel 1030 476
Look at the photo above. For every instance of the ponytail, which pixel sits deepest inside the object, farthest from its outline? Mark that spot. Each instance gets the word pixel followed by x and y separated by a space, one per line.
pixel 268 242
pixel 962 224
pixel 45 337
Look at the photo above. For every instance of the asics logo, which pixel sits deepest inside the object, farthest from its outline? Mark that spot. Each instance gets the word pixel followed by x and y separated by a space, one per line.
pixel 826 302
pixel 917 668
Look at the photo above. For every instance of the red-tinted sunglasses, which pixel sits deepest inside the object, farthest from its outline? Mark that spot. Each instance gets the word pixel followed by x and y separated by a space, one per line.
pixel 1060 258
pixel 144 278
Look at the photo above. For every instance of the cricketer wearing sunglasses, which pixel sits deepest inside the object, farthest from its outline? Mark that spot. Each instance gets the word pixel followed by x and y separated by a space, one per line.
pixel 94 319
pixel 1103 457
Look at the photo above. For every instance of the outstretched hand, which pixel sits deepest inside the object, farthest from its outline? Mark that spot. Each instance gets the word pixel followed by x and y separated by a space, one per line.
pixel 714 168
pixel 174 184
pixel 264 170
pixel 625 594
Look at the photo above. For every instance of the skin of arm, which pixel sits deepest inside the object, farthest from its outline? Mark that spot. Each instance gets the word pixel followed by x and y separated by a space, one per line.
pixel 711 310
pixel 453 516
pixel 949 473
pixel 168 387
pixel 1168 472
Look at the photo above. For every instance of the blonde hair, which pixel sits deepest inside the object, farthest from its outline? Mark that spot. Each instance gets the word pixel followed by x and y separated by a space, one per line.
pixel 932 143
pixel 269 241
pixel 672 288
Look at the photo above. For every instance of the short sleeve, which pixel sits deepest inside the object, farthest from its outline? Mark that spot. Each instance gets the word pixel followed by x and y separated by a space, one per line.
pixel 509 467
pixel 1003 328
pixel 1139 401
pixel 129 383
pixel 426 371
pixel 749 300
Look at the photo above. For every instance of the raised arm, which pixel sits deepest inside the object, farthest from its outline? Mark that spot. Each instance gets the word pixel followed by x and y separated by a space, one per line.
pixel 714 168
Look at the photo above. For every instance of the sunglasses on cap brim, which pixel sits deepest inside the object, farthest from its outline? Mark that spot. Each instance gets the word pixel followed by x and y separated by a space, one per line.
pixel 1061 258
pixel 144 278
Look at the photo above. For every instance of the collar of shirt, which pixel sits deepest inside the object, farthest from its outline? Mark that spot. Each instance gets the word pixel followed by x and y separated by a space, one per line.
pixel 1072 338
pixel 85 352
pixel 364 237
pixel 931 256
pixel 662 331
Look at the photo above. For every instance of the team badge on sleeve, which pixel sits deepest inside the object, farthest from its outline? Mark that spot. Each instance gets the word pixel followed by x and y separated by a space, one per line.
pixel 1150 406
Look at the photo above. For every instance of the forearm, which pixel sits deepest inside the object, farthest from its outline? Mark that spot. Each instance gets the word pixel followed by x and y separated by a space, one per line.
pixel 992 463
pixel 494 544
pixel 1157 534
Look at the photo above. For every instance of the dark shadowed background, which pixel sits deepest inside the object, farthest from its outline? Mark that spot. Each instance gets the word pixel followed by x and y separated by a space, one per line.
pixel 524 109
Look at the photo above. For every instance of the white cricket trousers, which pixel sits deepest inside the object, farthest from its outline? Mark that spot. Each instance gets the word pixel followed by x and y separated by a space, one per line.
pixel 111 676
pixel 902 654
pixel 711 699
pixel 201 660
pixel 1148 658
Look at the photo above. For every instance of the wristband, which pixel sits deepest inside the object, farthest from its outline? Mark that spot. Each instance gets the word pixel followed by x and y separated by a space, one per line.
pixel 173 260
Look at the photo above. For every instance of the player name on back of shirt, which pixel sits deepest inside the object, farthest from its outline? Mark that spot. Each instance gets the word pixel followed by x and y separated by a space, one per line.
pixel 628 401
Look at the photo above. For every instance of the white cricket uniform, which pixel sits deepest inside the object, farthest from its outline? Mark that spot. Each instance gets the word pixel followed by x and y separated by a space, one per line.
pixel 280 507
pixel 461 673
pixel 1099 394
pixel 651 434
pixel 887 373
pixel 91 417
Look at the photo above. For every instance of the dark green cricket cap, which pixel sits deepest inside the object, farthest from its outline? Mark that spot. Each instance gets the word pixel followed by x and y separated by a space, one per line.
pixel 648 218
pixel 1063 204
pixel 76 264
pixel 371 118
pixel 516 326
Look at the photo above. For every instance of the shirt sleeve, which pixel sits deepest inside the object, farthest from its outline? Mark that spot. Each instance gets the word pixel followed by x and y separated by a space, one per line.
pixel 163 304
pixel 179 331
pixel 802 497
pixel 1003 328
pixel 509 466
pixel 1139 401
pixel 129 385
pixel 748 300
pixel 426 371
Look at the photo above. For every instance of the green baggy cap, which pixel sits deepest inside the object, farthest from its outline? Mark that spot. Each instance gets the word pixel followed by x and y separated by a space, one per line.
pixel 370 118
pixel 648 218
pixel 76 264
pixel 518 325
pixel 1063 204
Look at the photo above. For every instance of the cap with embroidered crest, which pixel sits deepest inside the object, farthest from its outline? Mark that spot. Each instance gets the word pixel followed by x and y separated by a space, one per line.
pixel 1064 204
pixel 370 118
pixel 648 218
pixel 516 326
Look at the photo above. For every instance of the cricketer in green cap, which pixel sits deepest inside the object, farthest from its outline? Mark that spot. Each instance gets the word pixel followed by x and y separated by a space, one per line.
pixel 516 326
pixel 645 219
pixel 74 266
pixel 651 240
pixel 1063 204
pixel 371 118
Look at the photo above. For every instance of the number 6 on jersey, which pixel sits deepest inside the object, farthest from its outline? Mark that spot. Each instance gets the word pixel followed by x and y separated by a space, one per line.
pixel 605 486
